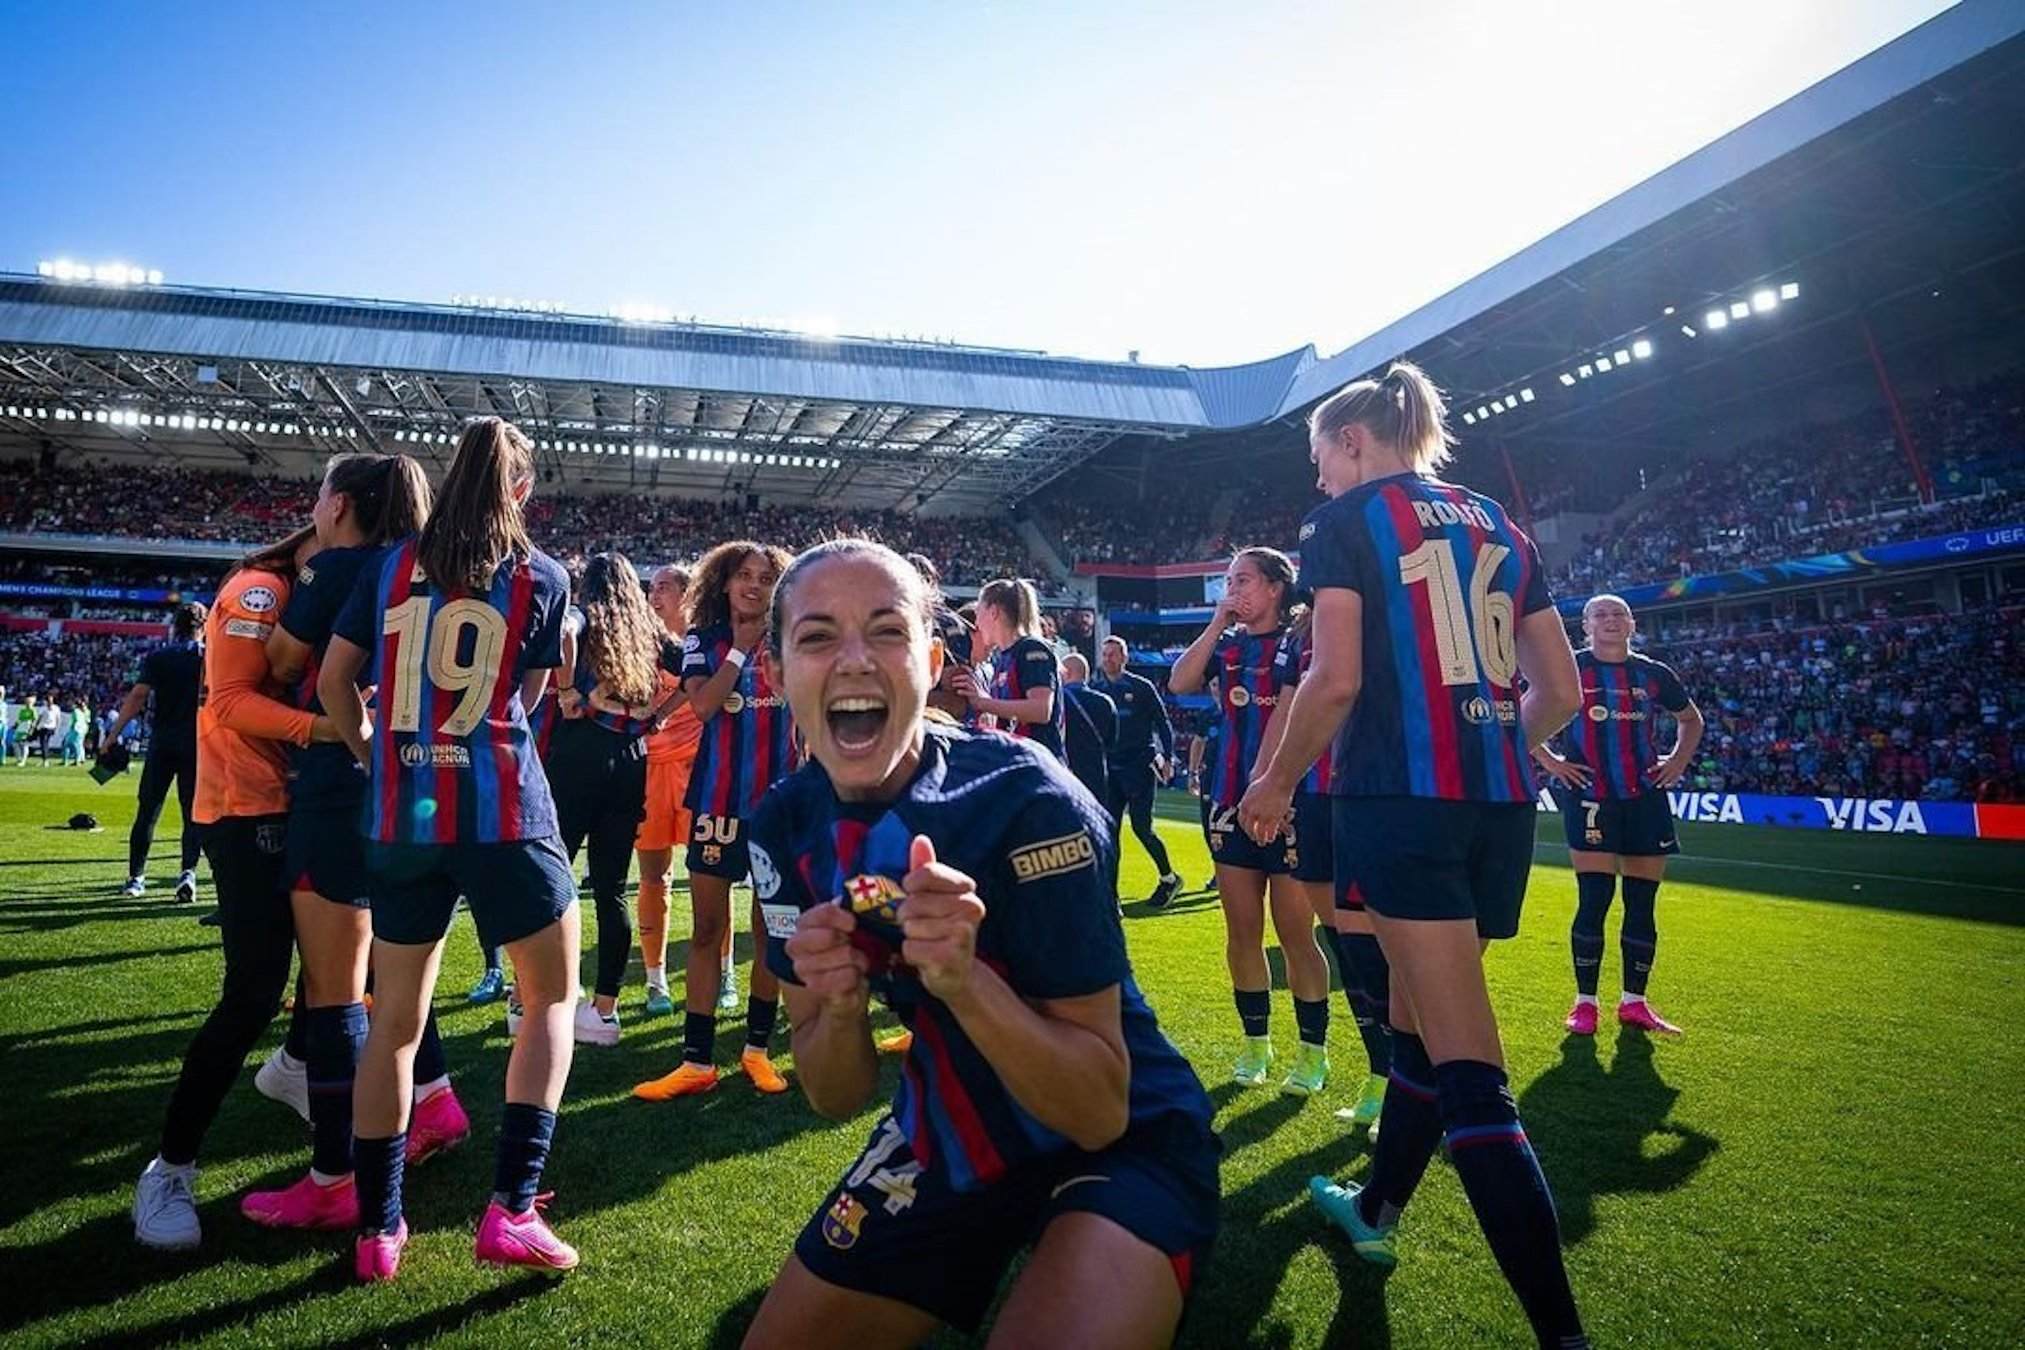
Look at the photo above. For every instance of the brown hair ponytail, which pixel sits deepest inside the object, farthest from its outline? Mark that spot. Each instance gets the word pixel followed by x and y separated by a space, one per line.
pixel 477 524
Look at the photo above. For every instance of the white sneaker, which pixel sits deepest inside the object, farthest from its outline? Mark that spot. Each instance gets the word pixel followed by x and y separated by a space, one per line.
pixel 285 1079
pixel 186 888
pixel 514 1012
pixel 135 888
pixel 594 1027
pixel 727 989
pixel 165 1208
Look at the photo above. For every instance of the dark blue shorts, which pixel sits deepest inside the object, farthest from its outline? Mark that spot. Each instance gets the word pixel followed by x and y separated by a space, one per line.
pixel 718 847
pixel 893 1229
pixel 1312 854
pixel 1424 858
pixel 1230 846
pixel 327 854
pixel 1633 827
pixel 515 889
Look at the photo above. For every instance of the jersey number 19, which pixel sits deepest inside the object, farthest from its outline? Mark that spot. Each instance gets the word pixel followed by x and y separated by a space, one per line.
pixel 474 681
pixel 1489 612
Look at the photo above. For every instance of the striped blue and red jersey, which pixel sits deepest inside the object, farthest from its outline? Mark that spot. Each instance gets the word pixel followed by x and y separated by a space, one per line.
pixel 1295 655
pixel 1246 669
pixel 453 757
pixel 638 722
pixel 1613 734
pixel 1026 666
pixel 1445 577
pixel 748 744
pixel 1042 853
pixel 322 775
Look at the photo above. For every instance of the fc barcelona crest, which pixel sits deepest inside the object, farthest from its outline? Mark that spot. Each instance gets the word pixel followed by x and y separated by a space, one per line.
pixel 842 1221
pixel 874 897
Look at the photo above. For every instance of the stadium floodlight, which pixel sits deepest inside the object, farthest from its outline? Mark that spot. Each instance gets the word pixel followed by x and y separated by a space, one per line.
pixel 1525 396
pixel 1642 349
pixel 1585 371
pixel 1739 310
pixel 1602 363
pixel 1789 290
pixel 1567 379
pixel 1765 300
pixel 1469 419
pixel 1667 312
pixel 1623 357
pixel 1715 320
pixel 1483 411
pixel 154 276
pixel 45 268
pixel 1689 330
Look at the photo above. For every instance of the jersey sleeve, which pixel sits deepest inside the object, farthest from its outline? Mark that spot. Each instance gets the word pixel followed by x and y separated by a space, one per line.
pixel 1533 595
pixel 1673 695
pixel 1333 555
pixel 314 603
pixel 776 885
pixel 1287 661
pixel 235 665
pixel 1038 668
pixel 543 649
pixel 1060 933
pixel 1163 725
pixel 358 618
pixel 699 655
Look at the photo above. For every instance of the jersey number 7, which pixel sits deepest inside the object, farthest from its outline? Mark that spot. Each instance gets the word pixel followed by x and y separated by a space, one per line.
pixel 1489 612
pixel 474 681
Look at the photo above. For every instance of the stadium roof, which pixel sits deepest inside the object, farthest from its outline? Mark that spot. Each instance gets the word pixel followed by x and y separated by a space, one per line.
pixel 1931 125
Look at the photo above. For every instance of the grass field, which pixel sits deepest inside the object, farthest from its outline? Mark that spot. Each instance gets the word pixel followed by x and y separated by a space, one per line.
pixel 1833 1155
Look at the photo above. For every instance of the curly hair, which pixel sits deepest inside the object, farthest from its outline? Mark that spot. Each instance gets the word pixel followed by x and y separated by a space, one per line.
pixel 622 635
pixel 709 606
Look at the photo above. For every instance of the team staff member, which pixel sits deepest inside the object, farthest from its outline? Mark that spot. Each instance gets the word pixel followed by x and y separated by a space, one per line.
pixel 365 501
pixel 460 627
pixel 1091 729
pixel 597 765
pixel 748 743
pixel 1346 928
pixel 170 675
pixel 1238 654
pixel 1429 607
pixel 1139 758
pixel 1025 697
pixel 1613 802
pixel 241 803
pixel 671 753
pixel 965 880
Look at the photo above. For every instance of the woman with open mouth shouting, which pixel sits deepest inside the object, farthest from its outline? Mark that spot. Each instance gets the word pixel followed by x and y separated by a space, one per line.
pixel 965 879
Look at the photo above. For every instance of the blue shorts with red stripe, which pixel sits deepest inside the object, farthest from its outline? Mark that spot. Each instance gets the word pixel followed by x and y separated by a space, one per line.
pixel 1631 827
pixel 1429 858
pixel 1312 853
pixel 1230 846
pixel 898 1230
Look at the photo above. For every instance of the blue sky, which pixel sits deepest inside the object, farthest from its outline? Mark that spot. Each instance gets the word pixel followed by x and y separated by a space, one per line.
pixel 1202 182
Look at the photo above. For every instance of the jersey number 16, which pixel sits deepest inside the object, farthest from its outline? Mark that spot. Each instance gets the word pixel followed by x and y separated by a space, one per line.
pixel 1489 612
pixel 473 681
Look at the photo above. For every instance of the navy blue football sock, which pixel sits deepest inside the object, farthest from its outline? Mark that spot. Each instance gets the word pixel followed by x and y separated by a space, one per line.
pixel 429 1062
pixel 334 1036
pixel 1367 987
pixel 699 1037
pixel 296 1047
pixel 1255 1010
pixel 1508 1192
pixel 1585 940
pixel 1411 1128
pixel 759 1019
pixel 1311 1019
pixel 378 1169
pixel 1640 940
pixel 525 1133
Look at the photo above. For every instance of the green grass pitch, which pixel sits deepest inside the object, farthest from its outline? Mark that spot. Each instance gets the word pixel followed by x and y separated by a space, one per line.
pixel 1833 1156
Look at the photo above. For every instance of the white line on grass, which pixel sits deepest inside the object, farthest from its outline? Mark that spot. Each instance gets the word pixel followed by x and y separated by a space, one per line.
pixel 1679 858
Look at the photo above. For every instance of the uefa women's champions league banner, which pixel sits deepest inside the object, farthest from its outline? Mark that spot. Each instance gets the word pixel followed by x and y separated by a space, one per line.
pixel 1855 815
pixel 1823 567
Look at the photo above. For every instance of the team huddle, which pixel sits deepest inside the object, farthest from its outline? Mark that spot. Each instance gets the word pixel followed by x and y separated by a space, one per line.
pixel 407 707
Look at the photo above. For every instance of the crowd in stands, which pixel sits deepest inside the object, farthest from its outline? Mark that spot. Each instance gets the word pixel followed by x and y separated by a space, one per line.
pixel 100 668
pixel 1824 489
pixel 174 503
pixel 1930 706
pixel 1172 529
